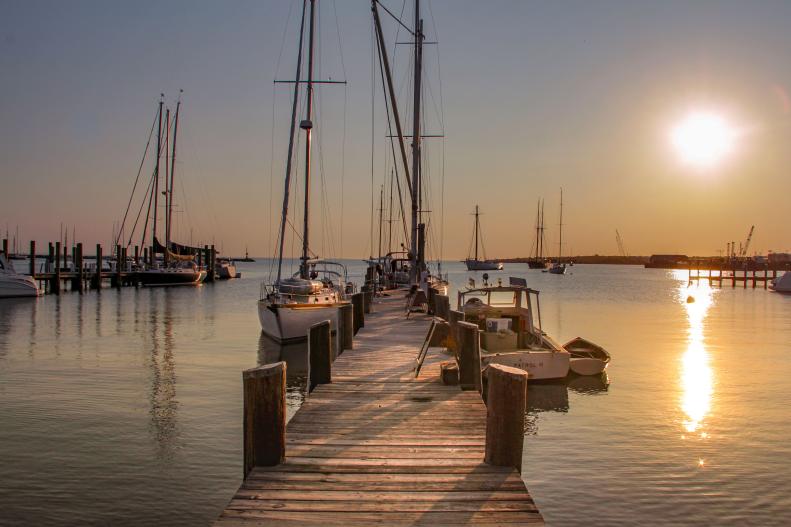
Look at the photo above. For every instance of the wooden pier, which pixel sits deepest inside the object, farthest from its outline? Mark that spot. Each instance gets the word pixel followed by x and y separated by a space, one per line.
pixel 61 268
pixel 377 446
pixel 717 274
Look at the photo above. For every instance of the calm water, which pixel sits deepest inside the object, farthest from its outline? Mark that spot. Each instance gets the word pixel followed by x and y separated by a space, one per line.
pixel 124 407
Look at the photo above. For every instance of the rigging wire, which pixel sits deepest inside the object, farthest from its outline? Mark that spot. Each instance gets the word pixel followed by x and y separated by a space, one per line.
pixel 137 178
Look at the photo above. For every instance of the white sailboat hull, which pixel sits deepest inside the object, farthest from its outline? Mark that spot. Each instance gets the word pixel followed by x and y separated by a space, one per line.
pixel 538 364
pixel 290 323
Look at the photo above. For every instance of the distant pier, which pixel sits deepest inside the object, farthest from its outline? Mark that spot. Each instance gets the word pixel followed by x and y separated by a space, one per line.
pixel 70 269
pixel 719 273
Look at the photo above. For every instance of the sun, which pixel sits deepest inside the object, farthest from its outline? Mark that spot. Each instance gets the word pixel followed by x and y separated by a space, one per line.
pixel 703 139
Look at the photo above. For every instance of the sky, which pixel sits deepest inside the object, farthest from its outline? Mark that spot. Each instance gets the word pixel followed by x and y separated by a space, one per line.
pixel 530 96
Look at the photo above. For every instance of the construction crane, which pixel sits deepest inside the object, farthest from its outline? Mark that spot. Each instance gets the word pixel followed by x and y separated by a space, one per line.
pixel 743 248
pixel 619 241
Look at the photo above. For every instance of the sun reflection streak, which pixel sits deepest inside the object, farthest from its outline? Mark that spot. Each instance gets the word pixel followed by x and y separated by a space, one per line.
pixel 696 374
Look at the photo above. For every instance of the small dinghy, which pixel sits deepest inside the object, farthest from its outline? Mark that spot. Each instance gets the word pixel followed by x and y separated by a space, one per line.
pixel 587 358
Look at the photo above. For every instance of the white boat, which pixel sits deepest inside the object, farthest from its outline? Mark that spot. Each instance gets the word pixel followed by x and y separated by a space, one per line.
pixel 225 269
pixel 13 284
pixel 782 284
pixel 557 268
pixel 512 334
pixel 587 358
pixel 178 273
pixel 475 264
pixel 288 307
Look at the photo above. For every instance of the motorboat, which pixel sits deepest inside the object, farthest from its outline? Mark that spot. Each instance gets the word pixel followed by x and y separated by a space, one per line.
pixel 587 358
pixel 288 308
pixel 782 284
pixel 557 268
pixel 224 269
pixel 13 284
pixel 474 263
pixel 511 332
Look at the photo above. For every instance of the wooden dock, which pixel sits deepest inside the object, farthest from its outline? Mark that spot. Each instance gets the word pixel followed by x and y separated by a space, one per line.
pixel 379 447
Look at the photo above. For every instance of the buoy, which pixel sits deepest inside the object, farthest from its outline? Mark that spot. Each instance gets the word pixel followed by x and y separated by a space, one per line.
pixel 690 299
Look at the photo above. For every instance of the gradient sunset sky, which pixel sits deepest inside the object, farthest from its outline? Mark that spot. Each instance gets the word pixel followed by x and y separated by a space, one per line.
pixel 536 95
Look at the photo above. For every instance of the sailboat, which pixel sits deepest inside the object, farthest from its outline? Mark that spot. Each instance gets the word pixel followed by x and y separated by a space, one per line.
pixel 538 261
pixel 408 268
pixel 177 266
pixel 558 267
pixel 474 264
pixel 290 306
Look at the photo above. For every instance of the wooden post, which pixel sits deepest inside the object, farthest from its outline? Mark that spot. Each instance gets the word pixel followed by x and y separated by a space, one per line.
pixel 442 306
pixel 469 356
pixel 368 298
pixel 212 263
pixel 766 277
pixel 346 327
pixel 319 355
pixel 432 300
pixel 264 416
pixel 55 287
pixel 137 256
pixel 733 277
pixel 745 278
pixel 97 277
pixel 754 278
pixel 454 317
pixel 359 313
pixel 78 268
pixel 506 402
pixel 33 258
pixel 50 257
pixel 5 248
pixel 117 281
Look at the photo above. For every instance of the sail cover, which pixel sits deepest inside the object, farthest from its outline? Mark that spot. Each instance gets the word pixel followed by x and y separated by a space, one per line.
pixel 176 251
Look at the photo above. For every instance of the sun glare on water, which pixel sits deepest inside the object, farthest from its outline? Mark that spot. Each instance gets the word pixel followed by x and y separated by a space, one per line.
pixel 703 139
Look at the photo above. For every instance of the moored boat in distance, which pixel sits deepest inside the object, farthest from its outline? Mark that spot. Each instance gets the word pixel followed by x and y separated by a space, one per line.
pixel 475 264
pixel 13 284
pixel 782 284
pixel 512 333
pixel 587 358
pixel 225 269
pixel 559 267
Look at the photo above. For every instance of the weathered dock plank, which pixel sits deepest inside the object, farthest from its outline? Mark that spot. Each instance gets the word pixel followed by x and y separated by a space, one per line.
pixel 379 447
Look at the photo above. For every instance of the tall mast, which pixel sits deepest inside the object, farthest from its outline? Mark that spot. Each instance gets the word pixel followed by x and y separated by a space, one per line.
pixel 560 225
pixel 284 213
pixel 476 232
pixel 418 61
pixel 173 169
pixel 156 173
pixel 381 211
pixel 307 125
pixel 167 184
pixel 390 216
pixel 542 229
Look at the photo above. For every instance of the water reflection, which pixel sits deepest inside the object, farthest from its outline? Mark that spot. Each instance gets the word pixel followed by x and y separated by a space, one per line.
pixel 554 396
pixel 162 399
pixel 696 374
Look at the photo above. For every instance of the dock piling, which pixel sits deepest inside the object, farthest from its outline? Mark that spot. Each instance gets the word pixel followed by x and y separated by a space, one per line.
pixel 319 355
pixel 359 313
pixel 346 327
pixel 368 298
pixel 97 277
pixel 264 416
pixel 506 402
pixel 469 356
pixel 32 258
